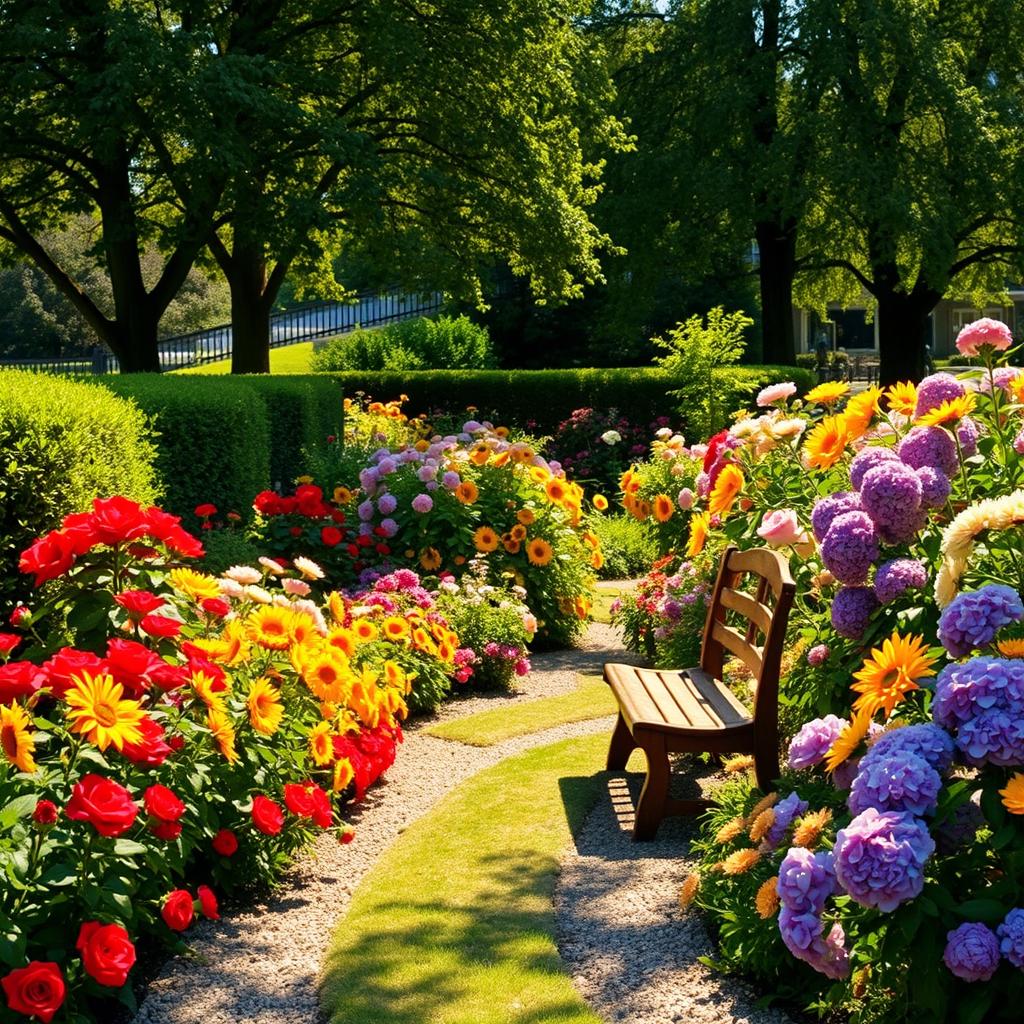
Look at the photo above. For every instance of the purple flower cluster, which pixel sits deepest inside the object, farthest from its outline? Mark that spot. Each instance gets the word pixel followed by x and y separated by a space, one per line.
pixel 826 510
pixel 896 577
pixel 813 741
pixel 851 611
pixel 891 495
pixel 929 446
pixel 925 741
pixel 869 458
pixel 972 620
pixel 787 811
pixel 850 547
pixel 806 881
pixel 967 434
pixel 1011 937
pixel 880 858
pixel 895 782
pixel 936 389
pixel 935 487
pixel 972 951
pixel 817 655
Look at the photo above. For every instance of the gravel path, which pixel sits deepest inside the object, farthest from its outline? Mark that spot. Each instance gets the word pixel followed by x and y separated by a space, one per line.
pixel 260 964
pixel 631 950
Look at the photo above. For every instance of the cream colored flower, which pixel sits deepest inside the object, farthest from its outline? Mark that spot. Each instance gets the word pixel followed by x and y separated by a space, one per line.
pixel 243 574
pixel 308 568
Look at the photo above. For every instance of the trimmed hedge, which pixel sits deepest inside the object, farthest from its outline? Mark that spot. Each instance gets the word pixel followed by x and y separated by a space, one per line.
pixel 546 397
pixel 224 439
pixel 62 443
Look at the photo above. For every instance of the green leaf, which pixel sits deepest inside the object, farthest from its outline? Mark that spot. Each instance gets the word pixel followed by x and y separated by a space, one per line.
pixel 19 807
pixel 989 911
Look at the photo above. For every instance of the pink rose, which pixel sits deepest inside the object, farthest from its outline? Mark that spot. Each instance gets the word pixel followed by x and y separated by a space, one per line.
pixel 685 499
pixel 780 528
pixel 985 331
pixel 775 393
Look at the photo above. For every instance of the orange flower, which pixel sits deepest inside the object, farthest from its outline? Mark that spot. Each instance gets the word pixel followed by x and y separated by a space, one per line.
pixel 525 516
pixel 767 899
pixel 861 410
pixel 539 551
pixel 740 861
pixel 485 539
pixel 731 830
pixel 826 443
pixel 1013 794
pixel 600 502
pixel 809 828
pixel 664 507
pixel 1011 648
pixel 467 492
pixel 827 393
pixel 430 558
pixel 762 823
pixel 555 490
pixel 688 890
pixel 699 526
pixel 727 487
pixel 395 629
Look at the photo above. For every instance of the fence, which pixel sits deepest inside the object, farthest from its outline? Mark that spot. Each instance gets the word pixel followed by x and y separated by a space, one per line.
pixel 300 323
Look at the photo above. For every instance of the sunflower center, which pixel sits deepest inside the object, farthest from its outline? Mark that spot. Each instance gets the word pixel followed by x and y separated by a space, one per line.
pixel 9 741
pixel 105 714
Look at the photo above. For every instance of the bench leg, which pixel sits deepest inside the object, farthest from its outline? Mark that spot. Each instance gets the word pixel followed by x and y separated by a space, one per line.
pixel 621 746
pixel 766 768
pixel 651 806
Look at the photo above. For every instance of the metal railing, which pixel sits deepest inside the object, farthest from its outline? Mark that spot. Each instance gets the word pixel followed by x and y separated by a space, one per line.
pixel 307 322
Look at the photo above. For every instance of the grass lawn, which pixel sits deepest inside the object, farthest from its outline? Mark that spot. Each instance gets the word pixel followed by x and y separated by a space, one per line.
pixel 605 592
pixel 289 359
pixel 592 699
pixel 455 924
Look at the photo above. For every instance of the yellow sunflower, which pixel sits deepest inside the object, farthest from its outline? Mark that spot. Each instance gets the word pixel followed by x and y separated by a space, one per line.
pixel 766 901
pixel 518 532
pixel 890 673
pixel 341 496
pixel 1013 794
pixel 467 492
pixel 395 629
pixel 302 627
pixel 99 712
pixel 430 558
pixel 848 740
pixel 321 749
pixel 827 393
pixel 540 474
pixel 223 733
pixel 16 739
pixel 202 685
pixel 525 517
pixel 270 627
pixel 727 488
pixel 365 631
pixel 600 503
pixel 596 560
pixel 196 585
pixel 825 444
pixel 479 453
pixel 539 551
pixel 950 411
pixel 510 544
pixel 343 774
pixel 861 410
pixel 264 704
pixel 485 539
pixel 327 677
pixel 902 398
pixel 555 490
pixel 345 640
pixel 699 526
pixel 664 507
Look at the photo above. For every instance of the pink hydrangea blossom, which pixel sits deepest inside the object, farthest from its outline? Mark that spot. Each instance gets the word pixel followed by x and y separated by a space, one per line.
pixel 985 331
pixel 775 393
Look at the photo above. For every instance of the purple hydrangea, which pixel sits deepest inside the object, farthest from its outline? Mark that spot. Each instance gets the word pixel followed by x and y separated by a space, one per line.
pixel 389 527
pixel 930 446
pixel 368 479
pixel 802 935
pixel 851 611
pixel 979 685
pixel 826 510
pixel 972 620
pixel 967 435
pixel 1011 937
pixel 787 810
pixel 451 480
pixel 869 458
pixel 850 547
pixel 972 951
pixel 926 741
pixel 1002 377
pixel 880 858
pixel 843 776
pixel 993 737
pixel 806 880
pixel 895 577
pixel 817 655
pixel 422 503
pixel 891 496
pixel 935 487
pixel 814 741
pixel 895 782
pixel 365 510
pixel 936 389
pixel 386 504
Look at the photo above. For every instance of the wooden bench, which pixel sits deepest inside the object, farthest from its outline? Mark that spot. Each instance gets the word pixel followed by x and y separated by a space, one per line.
pixel 691 710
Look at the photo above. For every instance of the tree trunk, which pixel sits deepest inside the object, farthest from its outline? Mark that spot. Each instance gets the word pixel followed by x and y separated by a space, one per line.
pixel 250 311
pixel 135 346
pixel 777 246
pixel 903 333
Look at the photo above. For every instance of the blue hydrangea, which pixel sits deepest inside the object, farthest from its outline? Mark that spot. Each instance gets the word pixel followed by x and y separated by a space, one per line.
pixel 806 880
pixel 787 811
pixel 926 741
pixel 972 951
pixel 971 620
pixel 993 737
pixel 963 691
pixel 1011 937
pixel 895 782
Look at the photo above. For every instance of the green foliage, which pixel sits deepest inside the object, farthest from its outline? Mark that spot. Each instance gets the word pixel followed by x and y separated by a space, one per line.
pixel 695 348
pixel 227 547
pixel 628 546
pixel 419 344
pixel 63 443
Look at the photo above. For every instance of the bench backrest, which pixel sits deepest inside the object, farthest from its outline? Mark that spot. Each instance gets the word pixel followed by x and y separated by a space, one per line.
pixel 766 613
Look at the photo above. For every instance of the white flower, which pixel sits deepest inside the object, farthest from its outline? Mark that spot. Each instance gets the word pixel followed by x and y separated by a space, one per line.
pixel 258 594
pixel 273 567
pixel 229 588
pixel 664 433
pixel 308 568
pixel 243 574
pixel 300 588
pixel 611 437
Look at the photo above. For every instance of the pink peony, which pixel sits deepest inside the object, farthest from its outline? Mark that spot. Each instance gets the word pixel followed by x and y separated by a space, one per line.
pixel 985 331
pixel 780 528
pixel 775 393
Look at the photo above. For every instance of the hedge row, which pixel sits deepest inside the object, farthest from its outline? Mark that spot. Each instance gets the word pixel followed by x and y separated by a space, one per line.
pixel 62 443
pixel 547 397
pixel 224 439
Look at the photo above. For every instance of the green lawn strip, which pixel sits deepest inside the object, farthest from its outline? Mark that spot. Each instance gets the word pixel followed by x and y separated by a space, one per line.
pixel 287 359
pixel 591 699
pixel 455 923
pixel 604 594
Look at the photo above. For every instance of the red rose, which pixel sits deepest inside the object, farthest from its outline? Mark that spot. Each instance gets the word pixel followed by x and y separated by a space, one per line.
pixel 267 503
pixel 267 816
pixel 204 511
pixel 338 516
pixel 160 626
pixel 19 615
pixel 49 557
pixel 225 843
pixel 322 812
pixel 138 603
pixel 331 536
pixel 117 520
pixel 46 813
pixel 36 990
pixel 331 438
pixel 132 664
pixel 169 677
pixel 176 743
pixel 107 952
pixel 105 804
pixel 167 529
pixel 353 550
pixel 296 531
pixel 68 662
pixel 382 549
pixel 20 679
pixel 215 606
pixel 365 541
pixel 166 830
pixel 178 910
pixel 162 804
pixel 8 641
pixel 153 750
pixel 346 835
pixel 208 903
pixel 234 517
pixel 299 799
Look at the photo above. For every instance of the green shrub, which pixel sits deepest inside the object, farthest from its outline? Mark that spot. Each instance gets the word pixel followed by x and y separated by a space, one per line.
pixel 538 400
pixel 225 548
pixel 419 344
pixel 63 443
pixel 629 546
